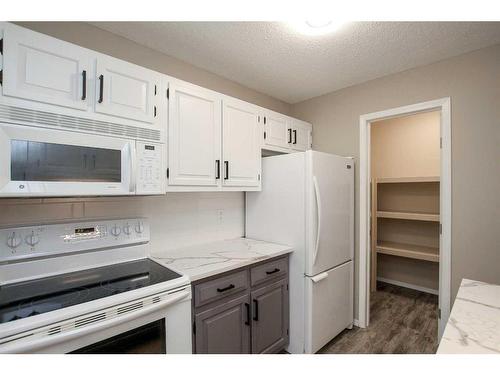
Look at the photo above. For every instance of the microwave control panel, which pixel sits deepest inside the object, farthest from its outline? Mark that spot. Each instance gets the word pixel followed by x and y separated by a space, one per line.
pixel 150 176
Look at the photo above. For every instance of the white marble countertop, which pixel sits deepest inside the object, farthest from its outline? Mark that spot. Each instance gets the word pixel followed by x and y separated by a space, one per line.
pixel 213 258
pixel 474 323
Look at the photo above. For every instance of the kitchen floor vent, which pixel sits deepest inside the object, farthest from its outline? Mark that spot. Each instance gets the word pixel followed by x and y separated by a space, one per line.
pixel 24 116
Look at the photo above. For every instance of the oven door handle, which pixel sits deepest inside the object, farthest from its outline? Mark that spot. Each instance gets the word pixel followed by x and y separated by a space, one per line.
pixel 32 346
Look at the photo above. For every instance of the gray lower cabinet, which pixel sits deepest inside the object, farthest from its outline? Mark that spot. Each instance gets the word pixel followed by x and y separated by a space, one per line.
pixel 243 311
pixel 224 328
pixel 270 317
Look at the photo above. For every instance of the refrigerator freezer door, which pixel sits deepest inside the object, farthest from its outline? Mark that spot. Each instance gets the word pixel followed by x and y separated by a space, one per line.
pixel 330 211
pixel 329 306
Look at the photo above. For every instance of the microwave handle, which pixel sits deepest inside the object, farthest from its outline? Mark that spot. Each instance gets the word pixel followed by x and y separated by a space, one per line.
pixel 132 163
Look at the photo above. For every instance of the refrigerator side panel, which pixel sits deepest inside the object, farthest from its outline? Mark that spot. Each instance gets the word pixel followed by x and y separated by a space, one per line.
pixel 277 214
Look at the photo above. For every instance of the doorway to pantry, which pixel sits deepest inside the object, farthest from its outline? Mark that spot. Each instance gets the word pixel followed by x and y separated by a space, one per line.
pixel 405 217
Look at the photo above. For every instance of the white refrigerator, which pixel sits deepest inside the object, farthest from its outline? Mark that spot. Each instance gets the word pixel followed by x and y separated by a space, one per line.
pixel 307 201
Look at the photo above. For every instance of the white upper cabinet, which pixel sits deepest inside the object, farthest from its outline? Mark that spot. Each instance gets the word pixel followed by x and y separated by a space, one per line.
pixel 276 129
pixel 40 68
pixel 126 90
pixel 241 144
pixel 300 135
pixel 194 136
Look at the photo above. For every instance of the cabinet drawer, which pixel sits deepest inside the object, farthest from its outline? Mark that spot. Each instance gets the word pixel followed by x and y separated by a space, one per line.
pixel 214 290
pixel 269 271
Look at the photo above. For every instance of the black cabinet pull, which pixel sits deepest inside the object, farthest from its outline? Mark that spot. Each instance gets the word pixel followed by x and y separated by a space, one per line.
pixel 229 287
pixel 273 271
pixel 226 173
pixel 84 85
pixel 256 310
pixel 247 306
pixel 217 169
pixel 101 88
pixel 154 111
pixel 295 137
pixel 289 135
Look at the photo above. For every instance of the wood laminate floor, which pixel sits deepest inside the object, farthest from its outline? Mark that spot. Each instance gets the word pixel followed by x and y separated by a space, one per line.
pixel 401 321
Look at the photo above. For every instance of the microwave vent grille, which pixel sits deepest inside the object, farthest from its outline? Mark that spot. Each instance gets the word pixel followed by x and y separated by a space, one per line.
pixel 26 116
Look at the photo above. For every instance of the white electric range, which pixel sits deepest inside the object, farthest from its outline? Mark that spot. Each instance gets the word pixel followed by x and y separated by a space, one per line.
pixel 89 287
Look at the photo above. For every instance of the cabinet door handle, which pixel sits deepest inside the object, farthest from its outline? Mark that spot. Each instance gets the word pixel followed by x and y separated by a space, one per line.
pixel 294 137
pixel 273 271
pixel 229 287
pixel 101 88
pixel 226 173
pixel 154 111
pixel 256 310
pixel 289 135
pixel 247 306
pixel 84 85
pixel 217 169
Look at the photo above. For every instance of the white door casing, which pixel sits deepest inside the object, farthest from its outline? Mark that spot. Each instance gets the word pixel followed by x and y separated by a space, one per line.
pixel 444 105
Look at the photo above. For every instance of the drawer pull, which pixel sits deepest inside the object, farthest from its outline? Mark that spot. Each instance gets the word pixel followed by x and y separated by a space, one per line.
pixel 229 287
pixel 273 271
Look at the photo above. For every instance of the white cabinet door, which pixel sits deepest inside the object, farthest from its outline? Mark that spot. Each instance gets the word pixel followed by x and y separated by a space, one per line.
pixel 300 135
pixel 194 136
pixel 241 144
pixel 126 90
pixel 276 130
pixel 40 68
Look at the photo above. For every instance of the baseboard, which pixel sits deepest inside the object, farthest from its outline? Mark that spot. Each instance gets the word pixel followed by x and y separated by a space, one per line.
pixel 356 322
pixel 409 286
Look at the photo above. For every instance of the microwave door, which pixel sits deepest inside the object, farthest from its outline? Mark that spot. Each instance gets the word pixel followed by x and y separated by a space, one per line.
pixel 45 162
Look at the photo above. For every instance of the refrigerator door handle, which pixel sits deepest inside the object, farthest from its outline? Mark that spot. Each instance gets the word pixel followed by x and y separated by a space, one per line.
pixel 318 278
pixel 318 211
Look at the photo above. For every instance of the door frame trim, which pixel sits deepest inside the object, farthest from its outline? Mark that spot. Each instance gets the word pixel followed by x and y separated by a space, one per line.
pixel 444 106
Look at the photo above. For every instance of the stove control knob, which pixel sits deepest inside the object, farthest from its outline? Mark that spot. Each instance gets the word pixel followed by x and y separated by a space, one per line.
pixel 139 227
pixel 115 231
pixel 126 229
pixel 14 240
pixel 32 239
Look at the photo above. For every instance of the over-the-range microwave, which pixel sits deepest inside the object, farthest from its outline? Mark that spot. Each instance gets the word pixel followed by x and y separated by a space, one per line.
pixel 40 162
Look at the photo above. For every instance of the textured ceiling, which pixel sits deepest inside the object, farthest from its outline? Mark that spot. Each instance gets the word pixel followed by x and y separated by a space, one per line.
pixel 272 58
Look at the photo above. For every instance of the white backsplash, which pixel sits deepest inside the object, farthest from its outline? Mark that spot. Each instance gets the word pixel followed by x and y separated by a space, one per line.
pixel 177 219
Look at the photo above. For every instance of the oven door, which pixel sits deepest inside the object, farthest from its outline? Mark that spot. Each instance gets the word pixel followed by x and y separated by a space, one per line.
pixel 157 323
pixel 45 162
pixel 147 339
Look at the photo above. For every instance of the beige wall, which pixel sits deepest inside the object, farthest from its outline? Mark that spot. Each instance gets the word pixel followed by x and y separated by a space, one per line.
pixel 473 83
pixel 92 37
pixel 408 146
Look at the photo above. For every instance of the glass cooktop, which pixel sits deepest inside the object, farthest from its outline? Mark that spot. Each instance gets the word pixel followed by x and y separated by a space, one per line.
pixel 29 298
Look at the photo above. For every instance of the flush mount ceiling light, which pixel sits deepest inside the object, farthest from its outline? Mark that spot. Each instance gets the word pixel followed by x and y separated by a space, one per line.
pixel 316 26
